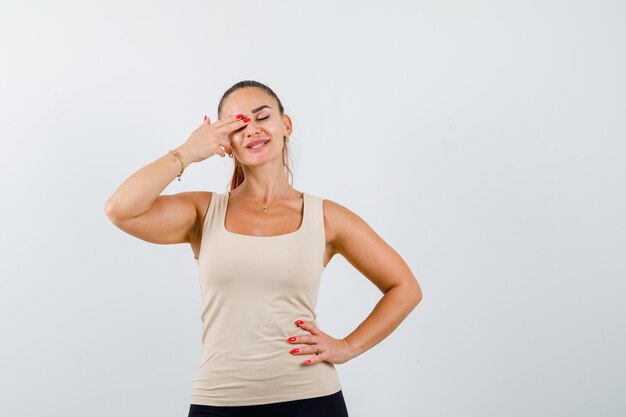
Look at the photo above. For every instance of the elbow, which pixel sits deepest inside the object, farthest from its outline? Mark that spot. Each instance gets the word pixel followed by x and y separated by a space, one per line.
pixel 417 294
pixel 411 293
pixel 419 298
pixel 110 212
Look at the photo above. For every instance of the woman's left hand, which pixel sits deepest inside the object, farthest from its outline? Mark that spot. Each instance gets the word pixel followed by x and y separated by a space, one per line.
pixel 331 350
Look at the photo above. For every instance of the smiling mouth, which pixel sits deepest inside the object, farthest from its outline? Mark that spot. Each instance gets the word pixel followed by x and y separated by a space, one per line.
pixel 258 144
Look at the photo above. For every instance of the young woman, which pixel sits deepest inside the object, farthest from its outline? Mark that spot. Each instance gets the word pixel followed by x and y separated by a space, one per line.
pixel 261 249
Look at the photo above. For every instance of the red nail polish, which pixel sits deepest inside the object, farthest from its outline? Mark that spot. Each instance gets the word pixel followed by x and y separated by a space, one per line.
pixel 239 116
pixel 307 361
pixel 292 339
pixel 205 117
pixel 246 120
pixel 300 322
pixel 296 350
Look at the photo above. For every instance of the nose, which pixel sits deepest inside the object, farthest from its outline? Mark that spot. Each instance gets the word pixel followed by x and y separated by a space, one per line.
pixel 251 129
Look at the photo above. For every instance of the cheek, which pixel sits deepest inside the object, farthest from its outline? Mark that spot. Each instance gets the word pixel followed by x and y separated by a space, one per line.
pixel 274 130
pixel 236 138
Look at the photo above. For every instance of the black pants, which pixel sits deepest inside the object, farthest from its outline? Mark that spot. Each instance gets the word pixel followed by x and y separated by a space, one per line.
pixel 332 405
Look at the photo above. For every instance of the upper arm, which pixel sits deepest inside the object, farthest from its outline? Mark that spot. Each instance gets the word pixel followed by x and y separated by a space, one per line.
pixel 171 219
pixel 356 241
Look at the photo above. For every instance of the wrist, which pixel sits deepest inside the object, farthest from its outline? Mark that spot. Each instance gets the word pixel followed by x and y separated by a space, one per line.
pixel 353 350
pixel 178 157
pixel 184 154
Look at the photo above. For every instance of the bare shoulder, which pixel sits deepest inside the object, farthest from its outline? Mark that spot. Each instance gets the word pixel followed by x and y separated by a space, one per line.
pixel 201 200
pixel 351 236
pixel 339 221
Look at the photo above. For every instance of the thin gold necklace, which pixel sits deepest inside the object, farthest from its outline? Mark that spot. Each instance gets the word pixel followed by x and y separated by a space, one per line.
pixel 264 208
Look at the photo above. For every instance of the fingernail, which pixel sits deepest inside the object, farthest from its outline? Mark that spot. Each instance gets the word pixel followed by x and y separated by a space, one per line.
pixel 239 116
pixel 296 350
pixel 299 322
pixel 205 117
pixel 307 361
pixel 292 339
pixel 246 120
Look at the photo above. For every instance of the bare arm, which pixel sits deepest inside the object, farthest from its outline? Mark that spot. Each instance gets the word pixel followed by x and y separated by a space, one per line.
pixel 137 193
pixel 356 241
pixel 137 206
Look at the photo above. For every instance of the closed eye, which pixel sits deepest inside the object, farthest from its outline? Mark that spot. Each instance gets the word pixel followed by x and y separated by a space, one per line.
pixel 260 118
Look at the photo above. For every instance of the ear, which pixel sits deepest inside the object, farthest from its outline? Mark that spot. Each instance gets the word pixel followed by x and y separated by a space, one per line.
pixel 287 123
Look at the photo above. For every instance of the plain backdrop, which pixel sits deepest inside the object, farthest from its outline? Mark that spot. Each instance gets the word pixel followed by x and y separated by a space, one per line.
pixel 483 140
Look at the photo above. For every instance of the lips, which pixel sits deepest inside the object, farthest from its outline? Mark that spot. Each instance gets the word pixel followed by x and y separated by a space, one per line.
pixel 262 145
pixel 255 142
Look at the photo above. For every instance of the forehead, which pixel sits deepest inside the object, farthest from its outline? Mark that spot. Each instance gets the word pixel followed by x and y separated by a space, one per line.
pixel 245 100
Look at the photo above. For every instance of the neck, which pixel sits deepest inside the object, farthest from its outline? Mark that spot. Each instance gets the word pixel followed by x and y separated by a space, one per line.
pixel 263 188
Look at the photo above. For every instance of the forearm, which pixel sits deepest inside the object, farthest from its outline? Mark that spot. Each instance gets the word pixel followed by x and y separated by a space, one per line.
pixel 137 193
pixel 388 313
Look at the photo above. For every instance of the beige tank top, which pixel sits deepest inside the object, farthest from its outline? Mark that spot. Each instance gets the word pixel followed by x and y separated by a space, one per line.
pixel 253 290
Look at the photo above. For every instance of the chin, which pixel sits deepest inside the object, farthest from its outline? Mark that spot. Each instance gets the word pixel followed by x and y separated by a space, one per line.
pixel 253 160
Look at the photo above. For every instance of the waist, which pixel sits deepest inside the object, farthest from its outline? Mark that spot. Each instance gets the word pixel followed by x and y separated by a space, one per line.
pixel 259 332
pixel 247 376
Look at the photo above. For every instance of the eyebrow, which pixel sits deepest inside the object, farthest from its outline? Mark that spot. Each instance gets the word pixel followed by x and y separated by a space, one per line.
pixel 259 108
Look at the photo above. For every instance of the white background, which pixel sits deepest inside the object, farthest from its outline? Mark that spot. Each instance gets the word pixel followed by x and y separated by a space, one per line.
pixel 483 140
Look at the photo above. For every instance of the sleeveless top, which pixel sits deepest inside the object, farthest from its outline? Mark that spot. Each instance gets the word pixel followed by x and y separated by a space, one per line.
pixel 253 290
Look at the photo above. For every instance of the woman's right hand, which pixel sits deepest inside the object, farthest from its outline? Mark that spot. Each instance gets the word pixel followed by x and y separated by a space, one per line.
pixel 209 138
